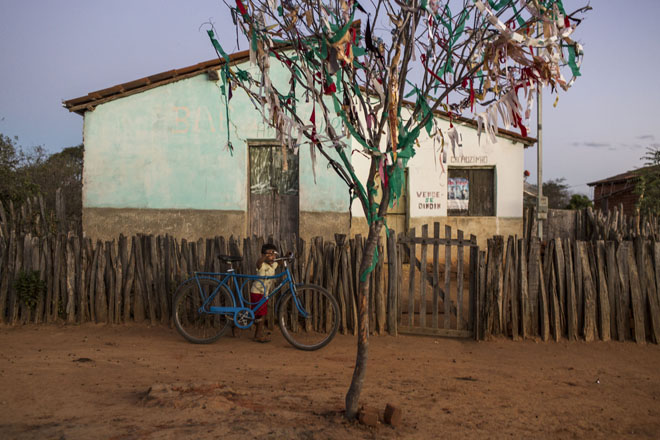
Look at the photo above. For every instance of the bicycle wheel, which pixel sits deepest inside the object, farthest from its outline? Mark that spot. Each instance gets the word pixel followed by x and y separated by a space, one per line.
pixel 319 327
pixel 196 327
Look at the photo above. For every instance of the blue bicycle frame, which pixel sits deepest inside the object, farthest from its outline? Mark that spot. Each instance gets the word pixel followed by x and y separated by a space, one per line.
pixel 244 316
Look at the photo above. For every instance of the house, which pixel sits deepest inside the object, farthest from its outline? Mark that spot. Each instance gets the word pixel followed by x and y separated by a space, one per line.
pixel 157 161
pixel 617 190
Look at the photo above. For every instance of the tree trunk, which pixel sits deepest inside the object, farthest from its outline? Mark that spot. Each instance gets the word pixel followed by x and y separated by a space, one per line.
pixel 359 373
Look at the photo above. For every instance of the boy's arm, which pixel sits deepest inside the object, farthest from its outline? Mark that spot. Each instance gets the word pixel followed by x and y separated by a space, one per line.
pixel 260 261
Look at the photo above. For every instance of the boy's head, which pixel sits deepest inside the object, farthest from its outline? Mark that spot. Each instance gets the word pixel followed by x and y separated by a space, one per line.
pixel 269 250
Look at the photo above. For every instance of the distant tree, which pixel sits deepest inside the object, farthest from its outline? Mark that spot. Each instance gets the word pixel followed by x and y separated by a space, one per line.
pixel 15 184
pixel 579 201
pixel 8 164
pixel 648 186
pixel 62 171
pixel 29 172
pixel 556 190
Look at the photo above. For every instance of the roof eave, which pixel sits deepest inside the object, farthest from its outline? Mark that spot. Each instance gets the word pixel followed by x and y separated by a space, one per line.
pixel 91 100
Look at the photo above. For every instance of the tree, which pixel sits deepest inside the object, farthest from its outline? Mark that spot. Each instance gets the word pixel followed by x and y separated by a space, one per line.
pixel 26 173
pixel 63 171
pixel 15 183
pixel 648 186
pixel 557 192
pixel 456 56
pixel 579 201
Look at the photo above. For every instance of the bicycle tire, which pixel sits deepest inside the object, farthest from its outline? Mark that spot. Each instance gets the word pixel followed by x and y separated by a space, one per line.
pixel 319 328
pixel 199 328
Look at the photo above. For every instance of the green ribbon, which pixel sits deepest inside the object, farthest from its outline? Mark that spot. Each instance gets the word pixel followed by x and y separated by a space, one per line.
pixel 423 105
pixel 454 35
pixel 368 270
pixel 572 61
pixel 498 5
pixel 350 126
pixel 339 33
pixel 225 75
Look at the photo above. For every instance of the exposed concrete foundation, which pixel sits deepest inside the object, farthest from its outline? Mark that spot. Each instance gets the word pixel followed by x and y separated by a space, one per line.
pixel 483 227
pixel 323 224
pixel 108 223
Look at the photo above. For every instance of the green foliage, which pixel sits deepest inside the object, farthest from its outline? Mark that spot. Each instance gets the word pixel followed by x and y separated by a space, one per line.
pixel 29 287
pixel 579 201
pixel 15 184
pixel 26 173
pixel 648 185
pixel 556 190
pixel 62 170
pixel 559 196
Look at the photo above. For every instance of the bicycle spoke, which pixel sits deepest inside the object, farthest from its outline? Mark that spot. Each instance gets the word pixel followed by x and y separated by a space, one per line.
pixel 201 327
pixel 319 327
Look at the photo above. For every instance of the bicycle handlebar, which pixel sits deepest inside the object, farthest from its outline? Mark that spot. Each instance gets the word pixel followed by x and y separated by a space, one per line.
pixel 287 257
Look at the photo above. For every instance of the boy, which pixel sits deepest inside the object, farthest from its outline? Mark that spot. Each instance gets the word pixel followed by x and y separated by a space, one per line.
pixel 266 266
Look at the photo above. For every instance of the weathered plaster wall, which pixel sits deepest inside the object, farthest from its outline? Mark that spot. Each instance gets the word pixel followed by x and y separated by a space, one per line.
pixel 165 150
pixel 163 153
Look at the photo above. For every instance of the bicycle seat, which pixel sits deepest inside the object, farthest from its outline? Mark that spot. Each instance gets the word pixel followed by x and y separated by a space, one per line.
pixel 229 258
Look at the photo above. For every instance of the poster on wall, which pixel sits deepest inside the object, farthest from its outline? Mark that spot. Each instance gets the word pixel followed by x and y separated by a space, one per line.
pixel 458 193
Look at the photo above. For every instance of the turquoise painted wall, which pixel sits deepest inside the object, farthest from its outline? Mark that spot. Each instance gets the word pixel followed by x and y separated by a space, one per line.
pixel 165 148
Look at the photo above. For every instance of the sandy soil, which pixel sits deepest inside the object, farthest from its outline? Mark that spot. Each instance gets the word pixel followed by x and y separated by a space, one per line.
pixel 136 382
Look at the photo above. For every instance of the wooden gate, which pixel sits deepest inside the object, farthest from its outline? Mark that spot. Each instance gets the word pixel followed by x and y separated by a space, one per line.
pixel 438 296
pixel 274 200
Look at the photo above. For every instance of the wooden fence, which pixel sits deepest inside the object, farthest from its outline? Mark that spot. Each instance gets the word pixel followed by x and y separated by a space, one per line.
pixel 134 279
pixel 440 292
pixel 589 224
pixel 522 289
pixel 606 290
pixel 32 217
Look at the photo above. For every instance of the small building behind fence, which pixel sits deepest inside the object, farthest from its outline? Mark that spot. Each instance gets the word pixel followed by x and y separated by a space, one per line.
pixel 161 157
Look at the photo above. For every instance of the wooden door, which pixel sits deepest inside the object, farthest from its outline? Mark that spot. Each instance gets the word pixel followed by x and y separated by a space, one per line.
pixel 274 200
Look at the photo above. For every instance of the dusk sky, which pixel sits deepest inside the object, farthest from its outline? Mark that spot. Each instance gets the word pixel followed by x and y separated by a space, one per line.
pixel 53 51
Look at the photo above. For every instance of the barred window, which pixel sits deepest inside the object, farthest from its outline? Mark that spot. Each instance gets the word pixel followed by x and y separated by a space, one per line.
pixel 471 192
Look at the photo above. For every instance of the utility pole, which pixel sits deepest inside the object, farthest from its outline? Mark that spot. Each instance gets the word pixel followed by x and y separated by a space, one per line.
pixel 541 202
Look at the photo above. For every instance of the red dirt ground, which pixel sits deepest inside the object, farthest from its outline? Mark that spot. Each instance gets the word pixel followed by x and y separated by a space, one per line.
pixel 137 382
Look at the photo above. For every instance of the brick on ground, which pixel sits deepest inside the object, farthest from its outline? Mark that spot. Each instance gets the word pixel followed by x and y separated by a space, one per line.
pixel 368 416
pixel 392 415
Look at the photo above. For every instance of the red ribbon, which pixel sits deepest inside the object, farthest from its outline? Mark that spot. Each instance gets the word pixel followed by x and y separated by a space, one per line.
pixel 523 130
pixel 423 58
pixel 240 7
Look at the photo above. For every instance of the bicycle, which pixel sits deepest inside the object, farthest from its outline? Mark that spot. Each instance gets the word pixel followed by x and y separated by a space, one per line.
pixel 207 303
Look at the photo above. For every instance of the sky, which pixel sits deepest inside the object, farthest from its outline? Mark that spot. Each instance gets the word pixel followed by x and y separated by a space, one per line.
pixel 58 50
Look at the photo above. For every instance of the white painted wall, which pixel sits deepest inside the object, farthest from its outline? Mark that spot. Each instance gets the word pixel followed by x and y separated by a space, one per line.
pixel 428 176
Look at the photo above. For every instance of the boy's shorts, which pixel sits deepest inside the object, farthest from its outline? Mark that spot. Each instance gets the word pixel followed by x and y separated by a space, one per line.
pixel 255 298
